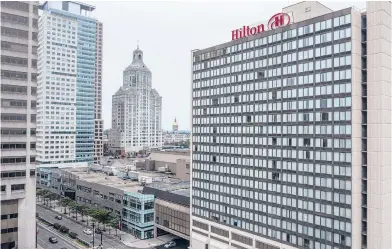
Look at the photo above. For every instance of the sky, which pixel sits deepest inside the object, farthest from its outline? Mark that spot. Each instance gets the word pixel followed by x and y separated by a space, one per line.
pixel 167 33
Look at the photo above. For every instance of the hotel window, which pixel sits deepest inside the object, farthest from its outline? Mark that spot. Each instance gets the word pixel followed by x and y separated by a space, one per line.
pixel 305 30
pixel 337 21
pixel 323 25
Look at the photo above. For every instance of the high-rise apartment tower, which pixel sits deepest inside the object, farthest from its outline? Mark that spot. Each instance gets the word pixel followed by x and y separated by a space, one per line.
pixel 69 122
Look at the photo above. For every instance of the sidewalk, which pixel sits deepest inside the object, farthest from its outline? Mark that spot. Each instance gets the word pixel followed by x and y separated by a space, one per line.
pixel 148 243
pixel 109 233
pixel 125 238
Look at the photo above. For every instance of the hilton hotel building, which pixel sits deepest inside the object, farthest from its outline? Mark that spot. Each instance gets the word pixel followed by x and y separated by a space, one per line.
pixel 291 133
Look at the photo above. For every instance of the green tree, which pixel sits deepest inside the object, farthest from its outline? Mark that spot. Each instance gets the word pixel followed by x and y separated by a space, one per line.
pixel 102 216
pixel 52 197
pixel 82 209
pixel 113 222
pixel 46 194
pixel 39 193
pixel 64 202
pixel 72 206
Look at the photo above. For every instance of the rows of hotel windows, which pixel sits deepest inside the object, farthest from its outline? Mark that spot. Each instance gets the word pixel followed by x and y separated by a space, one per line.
pixel 305 186
pixel 322 64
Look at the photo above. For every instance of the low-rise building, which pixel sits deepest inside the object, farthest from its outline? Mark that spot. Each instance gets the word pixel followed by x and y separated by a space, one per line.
pixel 176 162
pixel 120 193
pixel 171 137
pixel 172 207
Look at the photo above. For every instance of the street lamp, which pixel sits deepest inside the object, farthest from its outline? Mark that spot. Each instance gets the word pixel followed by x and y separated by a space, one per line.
pixel 36 234
pixel 93 232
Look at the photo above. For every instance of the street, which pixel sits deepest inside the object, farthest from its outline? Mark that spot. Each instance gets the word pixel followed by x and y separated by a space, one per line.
pixel 49 215
pixel 43 239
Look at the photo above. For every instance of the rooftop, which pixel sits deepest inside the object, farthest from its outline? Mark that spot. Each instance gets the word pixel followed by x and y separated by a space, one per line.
pixel 174 186
pixel 184 152
pixel 85 174
pixel 103 179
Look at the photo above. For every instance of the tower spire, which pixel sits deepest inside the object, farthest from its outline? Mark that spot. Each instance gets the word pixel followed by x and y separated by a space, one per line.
pixel 137 44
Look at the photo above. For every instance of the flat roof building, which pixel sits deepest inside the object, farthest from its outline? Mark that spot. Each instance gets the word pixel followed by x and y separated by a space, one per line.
pixel 119 191
pixel 172 207
pixel 291 132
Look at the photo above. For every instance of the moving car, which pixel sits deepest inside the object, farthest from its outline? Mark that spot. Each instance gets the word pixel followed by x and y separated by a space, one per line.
pixel 53 240
pixel 98 231
pixel 58 217
pixel 87 231
pixel 170 244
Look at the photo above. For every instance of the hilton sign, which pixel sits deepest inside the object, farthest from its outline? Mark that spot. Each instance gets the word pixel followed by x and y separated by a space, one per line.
pixel 276 21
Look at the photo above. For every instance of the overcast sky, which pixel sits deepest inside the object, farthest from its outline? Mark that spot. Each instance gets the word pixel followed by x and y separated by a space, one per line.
pixel 167 32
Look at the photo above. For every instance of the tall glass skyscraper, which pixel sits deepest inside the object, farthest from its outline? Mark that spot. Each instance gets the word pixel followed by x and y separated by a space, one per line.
pixel 68 84
pixel 291 132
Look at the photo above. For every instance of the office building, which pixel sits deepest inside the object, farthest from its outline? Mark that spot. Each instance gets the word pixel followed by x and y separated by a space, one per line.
pixel 136 110
pixel 292 130
pixel 69 85
pixel 19 32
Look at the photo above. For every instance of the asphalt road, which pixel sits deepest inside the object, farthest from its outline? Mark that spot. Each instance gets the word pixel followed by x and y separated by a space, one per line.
pixel 43 239
pixel 49 215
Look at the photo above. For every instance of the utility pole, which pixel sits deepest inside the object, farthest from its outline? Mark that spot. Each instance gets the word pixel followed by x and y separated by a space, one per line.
pixel 93 233
pixel 36 234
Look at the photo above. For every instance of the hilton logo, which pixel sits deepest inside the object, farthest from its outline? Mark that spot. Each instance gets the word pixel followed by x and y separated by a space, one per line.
pixel 276 21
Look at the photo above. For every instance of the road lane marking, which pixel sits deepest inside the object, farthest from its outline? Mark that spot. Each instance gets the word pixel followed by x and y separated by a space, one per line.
pixel 65 239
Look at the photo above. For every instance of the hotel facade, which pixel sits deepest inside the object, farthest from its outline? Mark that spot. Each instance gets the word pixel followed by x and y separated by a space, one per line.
pixel 291 133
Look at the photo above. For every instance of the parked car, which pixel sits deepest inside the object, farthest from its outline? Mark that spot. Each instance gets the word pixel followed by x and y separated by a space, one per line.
pixel 87 231
pixel 53 240
pixel 170 244
pixel 58 217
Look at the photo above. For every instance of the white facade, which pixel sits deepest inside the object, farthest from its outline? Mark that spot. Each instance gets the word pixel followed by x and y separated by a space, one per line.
pixel 19 27
pixel 136 109
pixel 69 115
pixel 176 137
pixel 56 111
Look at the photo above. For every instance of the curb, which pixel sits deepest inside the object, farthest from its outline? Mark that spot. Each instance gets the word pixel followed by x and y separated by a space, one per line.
pixel 65 238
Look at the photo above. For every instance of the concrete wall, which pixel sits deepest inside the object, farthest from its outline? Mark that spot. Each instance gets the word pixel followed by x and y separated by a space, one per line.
pixel 96 200
pixel 173 221
pixel 356 134
pixel 169 156
pixel 183 169
pixel 306 10
pixel 177 162
pixel 379 184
